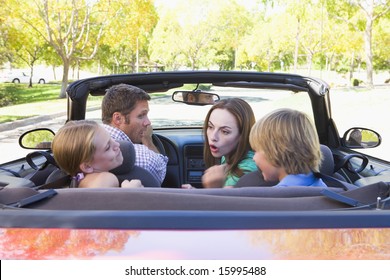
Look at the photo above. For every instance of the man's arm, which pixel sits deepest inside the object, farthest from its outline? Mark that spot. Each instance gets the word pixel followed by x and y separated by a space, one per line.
pixel 155 163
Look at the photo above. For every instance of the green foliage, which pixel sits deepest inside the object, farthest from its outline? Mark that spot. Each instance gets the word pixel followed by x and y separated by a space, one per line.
pixel 355 82
pixel 196 86
pixel 8 96
pixel 6 118
pixel 196 34
pixel 369 136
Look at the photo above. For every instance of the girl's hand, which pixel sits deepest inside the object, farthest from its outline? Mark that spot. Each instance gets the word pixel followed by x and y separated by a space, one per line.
pixel 132 184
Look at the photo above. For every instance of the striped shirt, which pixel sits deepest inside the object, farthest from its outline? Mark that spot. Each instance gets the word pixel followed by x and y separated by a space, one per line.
pixel 153 162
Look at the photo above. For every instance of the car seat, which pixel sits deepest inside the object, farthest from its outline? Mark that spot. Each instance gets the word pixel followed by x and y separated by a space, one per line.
pixel 127 170
pixel 327 166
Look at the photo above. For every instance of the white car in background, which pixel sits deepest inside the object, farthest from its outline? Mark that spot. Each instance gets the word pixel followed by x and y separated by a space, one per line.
pixel 18 77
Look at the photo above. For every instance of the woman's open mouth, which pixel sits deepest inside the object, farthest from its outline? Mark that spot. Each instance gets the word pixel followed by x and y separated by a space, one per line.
pixel 214 149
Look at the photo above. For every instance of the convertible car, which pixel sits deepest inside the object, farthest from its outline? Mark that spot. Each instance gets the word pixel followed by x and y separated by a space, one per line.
pixel 43 218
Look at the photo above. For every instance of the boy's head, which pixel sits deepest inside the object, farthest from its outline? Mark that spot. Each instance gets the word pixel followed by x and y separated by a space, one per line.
pixel 287 139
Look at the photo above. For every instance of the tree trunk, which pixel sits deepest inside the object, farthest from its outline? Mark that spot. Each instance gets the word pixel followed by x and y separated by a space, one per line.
pixel 352 66
pixel 296 52
pixel 309 62
pixel 31 76
pixel 368 43
pixel 64 83
pixel 54 72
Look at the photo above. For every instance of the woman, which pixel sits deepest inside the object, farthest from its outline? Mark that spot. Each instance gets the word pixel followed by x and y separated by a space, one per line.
pixel 227 152
pixel 86 151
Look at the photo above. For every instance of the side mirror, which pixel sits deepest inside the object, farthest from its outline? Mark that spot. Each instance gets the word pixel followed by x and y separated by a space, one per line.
pixel 37 139
pixel 361 138
pixel 199 98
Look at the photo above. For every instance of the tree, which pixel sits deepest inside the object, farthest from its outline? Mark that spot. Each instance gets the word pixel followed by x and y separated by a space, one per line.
pixel 231 24
pixel 164 46
pixel 26 47
pixel 185 34
pixel 361 15
pixel 3 34
pixel 381 44
pixel 126 41
pixel 72 28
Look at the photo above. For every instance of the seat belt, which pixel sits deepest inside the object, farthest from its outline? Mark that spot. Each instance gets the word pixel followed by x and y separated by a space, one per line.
pixel 32 199
pixel 339 184
pixel 341 198
pixel 63 181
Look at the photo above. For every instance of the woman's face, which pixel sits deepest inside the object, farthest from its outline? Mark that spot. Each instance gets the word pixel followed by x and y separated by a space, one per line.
pixel 107 154
pixel 222 133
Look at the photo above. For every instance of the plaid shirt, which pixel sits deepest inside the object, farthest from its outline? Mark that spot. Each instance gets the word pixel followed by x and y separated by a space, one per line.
pixel 144 157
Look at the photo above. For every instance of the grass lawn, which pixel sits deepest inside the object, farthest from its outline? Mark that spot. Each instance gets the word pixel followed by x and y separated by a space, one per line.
pixel 14 95
pixel 18 101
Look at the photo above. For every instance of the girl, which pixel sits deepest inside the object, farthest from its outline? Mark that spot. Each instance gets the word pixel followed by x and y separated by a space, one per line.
pixel 86 151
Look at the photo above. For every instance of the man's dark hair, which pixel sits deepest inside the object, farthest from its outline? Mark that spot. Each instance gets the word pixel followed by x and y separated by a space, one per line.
pixel 121 98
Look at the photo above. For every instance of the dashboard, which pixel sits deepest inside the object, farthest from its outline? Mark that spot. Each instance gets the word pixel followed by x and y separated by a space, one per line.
pixel 184 148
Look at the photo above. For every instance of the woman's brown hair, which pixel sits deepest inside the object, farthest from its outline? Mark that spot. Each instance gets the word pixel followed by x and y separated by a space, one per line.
pixel 245 118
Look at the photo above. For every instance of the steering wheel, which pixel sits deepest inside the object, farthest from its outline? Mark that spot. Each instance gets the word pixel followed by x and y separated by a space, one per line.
pixel 159 145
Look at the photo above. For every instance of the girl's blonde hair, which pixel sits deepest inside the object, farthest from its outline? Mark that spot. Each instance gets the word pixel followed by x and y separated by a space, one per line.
pixel 245 118
pixel 73 145
pixel 289 140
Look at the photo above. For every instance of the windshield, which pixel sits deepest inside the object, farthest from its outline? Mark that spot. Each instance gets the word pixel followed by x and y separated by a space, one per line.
pixel 165 113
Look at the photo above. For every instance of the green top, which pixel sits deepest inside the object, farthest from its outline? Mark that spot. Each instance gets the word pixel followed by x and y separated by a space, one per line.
pixel 247 165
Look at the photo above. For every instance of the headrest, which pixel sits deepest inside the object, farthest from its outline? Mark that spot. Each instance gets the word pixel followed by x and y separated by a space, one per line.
pixel 327 163
pixel 128 153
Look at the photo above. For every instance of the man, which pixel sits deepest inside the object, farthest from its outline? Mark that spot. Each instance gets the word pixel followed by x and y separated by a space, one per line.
pixel 125 116
pixel 198 97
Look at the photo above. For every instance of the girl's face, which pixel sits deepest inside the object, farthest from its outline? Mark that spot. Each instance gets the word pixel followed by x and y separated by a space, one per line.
pixel 222 133
pixel 270 172
pixel 107 154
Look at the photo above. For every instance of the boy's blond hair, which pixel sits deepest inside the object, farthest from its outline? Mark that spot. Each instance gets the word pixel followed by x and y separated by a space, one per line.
pixel 289 140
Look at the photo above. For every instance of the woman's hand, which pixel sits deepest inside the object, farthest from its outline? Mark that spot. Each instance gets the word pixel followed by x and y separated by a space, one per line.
pixel 215 176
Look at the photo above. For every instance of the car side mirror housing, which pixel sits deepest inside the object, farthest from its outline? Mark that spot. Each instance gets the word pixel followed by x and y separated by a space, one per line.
pixel 361 138
pixel 37 139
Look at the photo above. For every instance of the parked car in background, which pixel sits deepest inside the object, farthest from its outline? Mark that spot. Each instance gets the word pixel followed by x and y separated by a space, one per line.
pixel 18 77
pixel 41 217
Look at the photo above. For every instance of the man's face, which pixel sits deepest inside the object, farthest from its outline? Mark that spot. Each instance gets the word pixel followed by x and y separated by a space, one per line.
pixel 206 98
pixel 136 122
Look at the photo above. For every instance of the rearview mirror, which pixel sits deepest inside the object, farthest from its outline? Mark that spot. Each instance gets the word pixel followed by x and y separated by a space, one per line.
pixel 361 138
pixel 195 97
pixel 37 139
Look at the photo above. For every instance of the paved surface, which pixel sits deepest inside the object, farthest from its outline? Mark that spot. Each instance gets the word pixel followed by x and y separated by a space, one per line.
pixel 10 132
